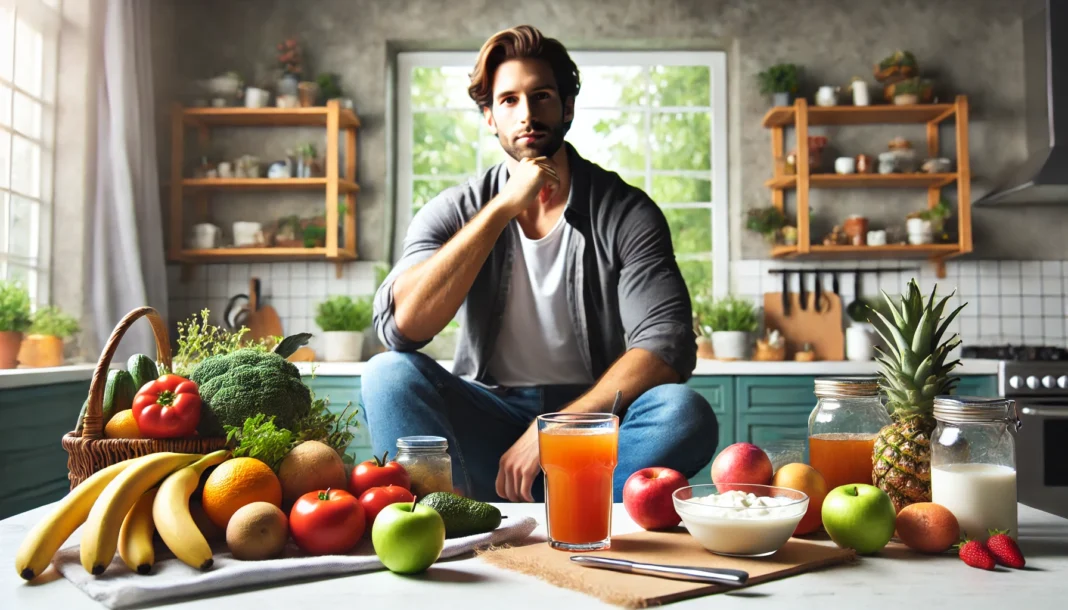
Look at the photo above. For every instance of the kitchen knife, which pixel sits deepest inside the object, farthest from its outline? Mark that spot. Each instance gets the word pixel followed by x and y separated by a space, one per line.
pixel 819 290
pixel 716 576
pixel 785 293
pixel 803 293
pixel 835 288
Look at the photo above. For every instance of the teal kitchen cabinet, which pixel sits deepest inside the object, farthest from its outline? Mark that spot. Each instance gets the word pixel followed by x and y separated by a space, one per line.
pixel 978 385
pixel 719 392
pixel 33 463
pixel 772 408
pixel 341 391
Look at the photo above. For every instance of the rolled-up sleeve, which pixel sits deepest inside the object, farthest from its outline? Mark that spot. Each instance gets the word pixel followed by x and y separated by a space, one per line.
pixel 654 303
pixel 431 227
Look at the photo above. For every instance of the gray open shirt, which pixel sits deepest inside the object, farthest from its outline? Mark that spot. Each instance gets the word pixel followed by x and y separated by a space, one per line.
pixel 624 288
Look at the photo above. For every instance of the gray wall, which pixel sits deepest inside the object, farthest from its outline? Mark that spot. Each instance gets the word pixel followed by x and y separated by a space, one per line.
pixel 969 46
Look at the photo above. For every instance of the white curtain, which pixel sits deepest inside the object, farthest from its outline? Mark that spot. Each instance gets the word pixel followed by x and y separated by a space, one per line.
pixel 127 268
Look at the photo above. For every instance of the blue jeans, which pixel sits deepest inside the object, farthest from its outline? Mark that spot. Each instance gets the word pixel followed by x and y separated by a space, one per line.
pixel 409 394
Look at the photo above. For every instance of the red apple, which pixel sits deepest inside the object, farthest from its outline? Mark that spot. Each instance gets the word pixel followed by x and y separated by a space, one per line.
pixel 647 497
pixel 741 463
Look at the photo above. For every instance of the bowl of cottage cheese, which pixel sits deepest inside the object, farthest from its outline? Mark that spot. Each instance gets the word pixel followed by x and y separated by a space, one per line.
pixel 740 520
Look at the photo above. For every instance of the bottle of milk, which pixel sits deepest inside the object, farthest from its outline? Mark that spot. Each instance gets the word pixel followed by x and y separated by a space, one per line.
pixel 973 462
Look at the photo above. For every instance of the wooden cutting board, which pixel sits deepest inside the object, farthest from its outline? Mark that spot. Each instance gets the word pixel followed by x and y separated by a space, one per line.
pixel 262 321
pixel 674 547
pixel 822 329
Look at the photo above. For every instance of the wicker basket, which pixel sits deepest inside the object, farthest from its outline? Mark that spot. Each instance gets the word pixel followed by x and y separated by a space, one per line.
pixel 90 451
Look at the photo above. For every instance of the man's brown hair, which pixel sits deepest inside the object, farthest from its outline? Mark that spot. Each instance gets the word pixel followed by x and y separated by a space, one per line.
pixel 522 42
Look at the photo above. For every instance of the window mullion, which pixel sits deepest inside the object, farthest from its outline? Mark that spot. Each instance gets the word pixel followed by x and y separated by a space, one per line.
pixel 647 117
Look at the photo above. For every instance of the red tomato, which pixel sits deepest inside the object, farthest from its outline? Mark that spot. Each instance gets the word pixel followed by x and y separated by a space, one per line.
pixel 375 499
pixel 328 522
pixel 378 473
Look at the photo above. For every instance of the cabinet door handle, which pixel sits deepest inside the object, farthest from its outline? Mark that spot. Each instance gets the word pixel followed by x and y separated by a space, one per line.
pixel 1045 413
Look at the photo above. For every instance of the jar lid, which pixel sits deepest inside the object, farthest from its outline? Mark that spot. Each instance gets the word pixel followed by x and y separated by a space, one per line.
pixel 847 387
pixel 975 409
pixel 422 442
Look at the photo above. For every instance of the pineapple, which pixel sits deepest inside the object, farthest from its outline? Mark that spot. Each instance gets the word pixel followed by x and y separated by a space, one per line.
pixel 914 371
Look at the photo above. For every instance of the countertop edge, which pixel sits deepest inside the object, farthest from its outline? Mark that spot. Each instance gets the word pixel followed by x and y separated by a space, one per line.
pixel 21 378
pixel 969 366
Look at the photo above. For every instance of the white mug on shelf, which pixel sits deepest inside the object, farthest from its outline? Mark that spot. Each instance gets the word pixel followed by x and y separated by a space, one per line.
pixel 877 238
pixel 226 170
pixel 205 236
pixel 827 96
pixel 256 97
pixel 845 165
pixel 247 233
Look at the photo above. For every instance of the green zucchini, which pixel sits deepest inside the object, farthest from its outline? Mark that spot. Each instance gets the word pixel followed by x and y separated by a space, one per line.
pixel 81 417
pixel 142 369
pixel 118 393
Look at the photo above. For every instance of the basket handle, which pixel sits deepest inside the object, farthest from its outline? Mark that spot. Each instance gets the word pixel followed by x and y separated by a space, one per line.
pixel 92 427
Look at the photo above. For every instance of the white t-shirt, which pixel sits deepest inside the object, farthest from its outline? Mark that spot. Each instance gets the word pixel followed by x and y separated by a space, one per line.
pixel 537 344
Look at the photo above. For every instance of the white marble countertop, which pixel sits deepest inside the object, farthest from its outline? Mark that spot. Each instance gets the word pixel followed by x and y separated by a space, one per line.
pixel 18 378
pixel 969 366
pixel 892 579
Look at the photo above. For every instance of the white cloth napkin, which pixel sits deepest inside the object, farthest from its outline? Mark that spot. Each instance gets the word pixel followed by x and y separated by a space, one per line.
pixel 118 587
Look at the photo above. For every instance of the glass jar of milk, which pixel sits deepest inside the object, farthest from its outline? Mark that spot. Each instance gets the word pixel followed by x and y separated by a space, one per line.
pixel 973 462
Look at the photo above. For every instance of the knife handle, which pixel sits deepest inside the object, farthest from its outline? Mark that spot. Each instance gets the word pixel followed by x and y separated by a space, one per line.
pixel 718 576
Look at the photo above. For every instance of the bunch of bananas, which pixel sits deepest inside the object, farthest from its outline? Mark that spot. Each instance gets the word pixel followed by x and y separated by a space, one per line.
pixel 122 506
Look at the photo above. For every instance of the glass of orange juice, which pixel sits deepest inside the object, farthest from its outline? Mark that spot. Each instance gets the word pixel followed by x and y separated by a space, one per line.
pixel 578 456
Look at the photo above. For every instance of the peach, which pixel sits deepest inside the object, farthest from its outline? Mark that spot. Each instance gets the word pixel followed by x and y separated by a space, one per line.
pixel 927 527
pixel 808 480
pixel 742 463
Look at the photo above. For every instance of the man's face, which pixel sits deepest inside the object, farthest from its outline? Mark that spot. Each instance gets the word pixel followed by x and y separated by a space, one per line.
pixel 528 115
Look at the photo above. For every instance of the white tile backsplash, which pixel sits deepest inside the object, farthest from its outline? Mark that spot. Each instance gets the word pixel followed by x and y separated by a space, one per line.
pixel 1007 301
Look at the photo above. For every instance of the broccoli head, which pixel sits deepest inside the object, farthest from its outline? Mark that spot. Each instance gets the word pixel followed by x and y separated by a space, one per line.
pixel 245 383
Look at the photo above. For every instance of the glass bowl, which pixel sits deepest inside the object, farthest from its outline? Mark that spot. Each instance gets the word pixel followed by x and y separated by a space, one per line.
pixel 739 530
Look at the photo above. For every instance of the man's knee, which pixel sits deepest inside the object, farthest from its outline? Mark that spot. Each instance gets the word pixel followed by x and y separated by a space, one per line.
pixel 685 411
pixel 390 372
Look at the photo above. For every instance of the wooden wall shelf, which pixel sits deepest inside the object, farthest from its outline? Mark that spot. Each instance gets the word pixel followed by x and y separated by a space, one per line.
pixel 835 181
pixel 340 124
pixel 800 116
pixel 782 116
pixel 267 184
pixel 315 116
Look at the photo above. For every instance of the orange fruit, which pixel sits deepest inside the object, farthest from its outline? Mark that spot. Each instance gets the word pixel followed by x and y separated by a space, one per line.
pixel 236 483
pixel 808 480
pixel 927 527
pixel 122 425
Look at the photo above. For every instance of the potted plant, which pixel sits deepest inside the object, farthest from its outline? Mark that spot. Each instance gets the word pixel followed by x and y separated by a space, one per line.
pixel 896 66
pixel 343 320
pixel 43 346
pixel 767 221
pixel 859 335
pixel 729 321
pixel 290 63
pixel 329 89
pixel 780 82
pixel 443 345
pixel 14 320
pixel 907 92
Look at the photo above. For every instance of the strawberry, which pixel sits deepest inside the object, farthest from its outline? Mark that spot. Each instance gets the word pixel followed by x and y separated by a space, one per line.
pixel 975 554
pixel 1004 549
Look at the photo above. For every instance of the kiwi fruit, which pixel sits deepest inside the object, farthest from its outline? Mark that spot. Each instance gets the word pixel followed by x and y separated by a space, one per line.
pixel 257 531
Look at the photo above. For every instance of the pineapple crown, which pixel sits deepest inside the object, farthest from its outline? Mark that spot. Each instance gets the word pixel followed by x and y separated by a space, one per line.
pixel 914 367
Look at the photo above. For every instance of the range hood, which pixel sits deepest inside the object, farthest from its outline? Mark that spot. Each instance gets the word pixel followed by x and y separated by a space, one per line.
pixel 1043 177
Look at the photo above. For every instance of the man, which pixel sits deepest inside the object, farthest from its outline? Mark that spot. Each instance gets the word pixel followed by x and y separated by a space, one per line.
pixel 567 291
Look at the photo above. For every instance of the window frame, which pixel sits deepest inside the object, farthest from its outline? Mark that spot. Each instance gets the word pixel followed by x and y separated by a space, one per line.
pixel 44 17
pixel 716 61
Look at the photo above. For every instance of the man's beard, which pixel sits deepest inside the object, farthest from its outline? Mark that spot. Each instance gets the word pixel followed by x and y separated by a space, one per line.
pixel 546 146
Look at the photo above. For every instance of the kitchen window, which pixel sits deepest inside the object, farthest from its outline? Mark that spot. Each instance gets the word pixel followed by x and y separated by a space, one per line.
pixel 29 32
pixel 656 118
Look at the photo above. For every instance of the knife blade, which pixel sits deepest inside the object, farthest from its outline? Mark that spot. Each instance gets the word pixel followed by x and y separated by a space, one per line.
pixel 785 293
pixel 819 290
pixel 717 576
pixel 803 292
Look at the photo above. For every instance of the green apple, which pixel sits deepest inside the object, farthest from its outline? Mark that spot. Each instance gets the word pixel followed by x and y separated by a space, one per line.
pixel 859 517
pixel 408 539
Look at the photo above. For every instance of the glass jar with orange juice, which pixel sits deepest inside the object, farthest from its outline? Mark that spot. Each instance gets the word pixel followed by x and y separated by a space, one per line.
pixel 842 429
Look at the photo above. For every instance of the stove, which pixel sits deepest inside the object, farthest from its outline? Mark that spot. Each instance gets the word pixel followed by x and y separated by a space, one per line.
pixel 1036 377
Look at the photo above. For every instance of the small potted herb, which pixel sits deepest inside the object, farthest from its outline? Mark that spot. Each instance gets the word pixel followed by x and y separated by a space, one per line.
pixel 729 321
pixel 767 221
pixel 14 320
pixel 43 346
pixel 343 320
pixel 781 82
